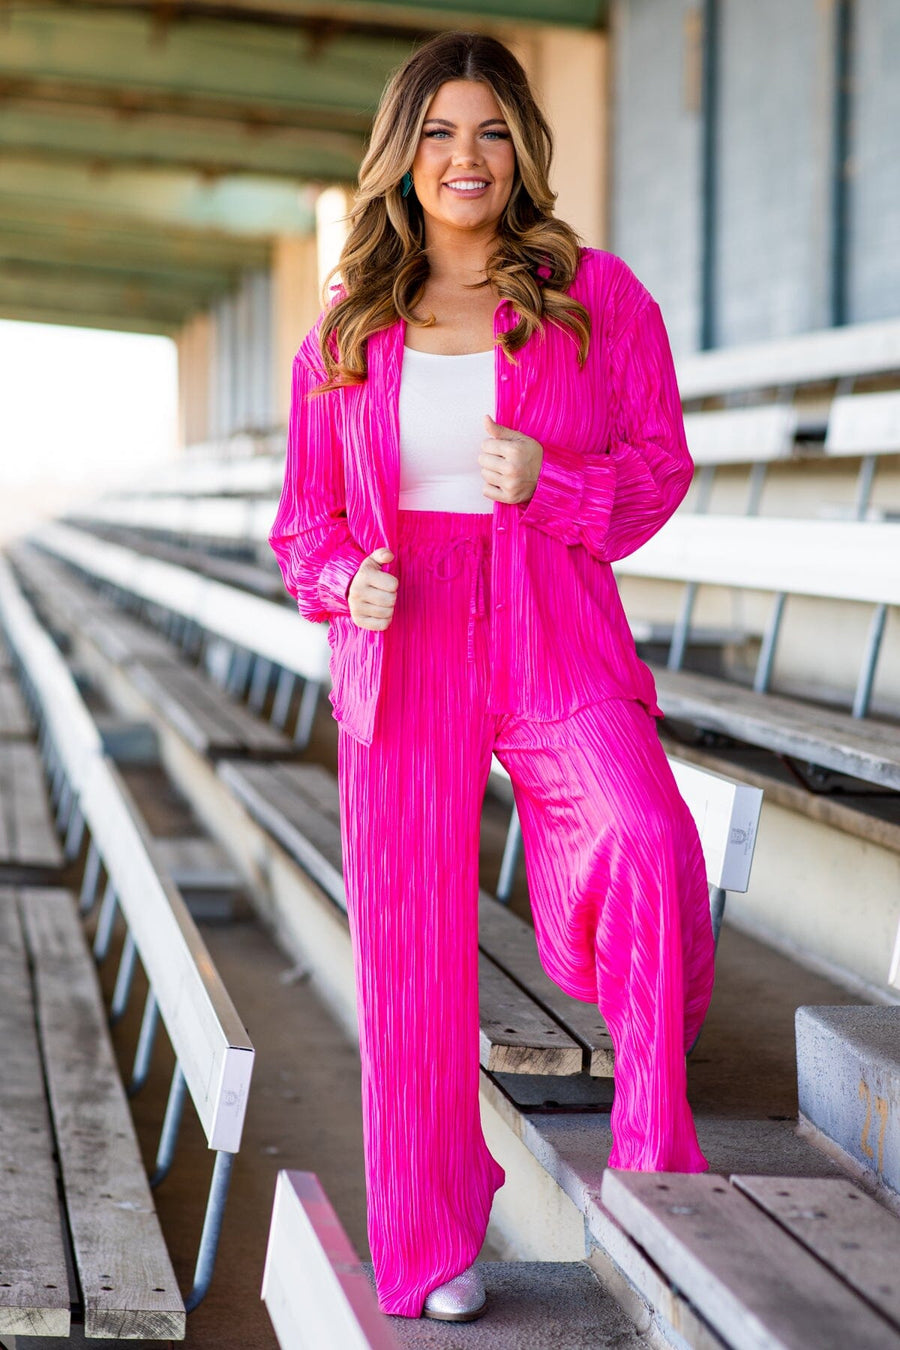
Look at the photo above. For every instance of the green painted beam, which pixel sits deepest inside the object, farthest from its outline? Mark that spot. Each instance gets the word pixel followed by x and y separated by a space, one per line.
pixel 376 15
pixel 82 318
pixel 261 69
pixel 123 243
pixel 240 206
pixel 58 132
pixel 29 235
pixel 82 255
pixel 66 289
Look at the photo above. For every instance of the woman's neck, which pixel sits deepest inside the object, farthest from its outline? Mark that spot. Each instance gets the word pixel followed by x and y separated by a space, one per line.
pixel 456 256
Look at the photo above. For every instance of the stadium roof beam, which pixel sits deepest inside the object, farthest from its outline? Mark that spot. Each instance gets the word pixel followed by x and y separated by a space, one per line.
pixel 366 16
pixel 152 150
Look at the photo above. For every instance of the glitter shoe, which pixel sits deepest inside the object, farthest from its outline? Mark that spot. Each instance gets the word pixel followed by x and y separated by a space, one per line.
pixel 461 1299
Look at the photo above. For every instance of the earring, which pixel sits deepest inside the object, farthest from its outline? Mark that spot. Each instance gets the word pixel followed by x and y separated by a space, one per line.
pixel 407 184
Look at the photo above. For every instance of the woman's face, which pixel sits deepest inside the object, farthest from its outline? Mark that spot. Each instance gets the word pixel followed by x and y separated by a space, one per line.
pixel 465 163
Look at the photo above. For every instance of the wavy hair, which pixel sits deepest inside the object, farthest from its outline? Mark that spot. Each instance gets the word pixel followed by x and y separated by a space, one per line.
pixel 384 266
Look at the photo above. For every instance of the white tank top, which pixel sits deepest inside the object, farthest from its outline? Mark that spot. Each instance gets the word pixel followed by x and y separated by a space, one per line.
pixel 443 400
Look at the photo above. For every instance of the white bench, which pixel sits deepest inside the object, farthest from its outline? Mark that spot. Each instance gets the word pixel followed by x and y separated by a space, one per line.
pixel 269 634
pixel 826 356
pixel 840 560
pixel 214 1058
pixel 725 812
pixel 314 1288
pixel 783 397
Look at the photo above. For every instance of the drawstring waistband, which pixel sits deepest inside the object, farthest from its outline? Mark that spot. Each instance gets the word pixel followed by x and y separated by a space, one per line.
pixel 447 564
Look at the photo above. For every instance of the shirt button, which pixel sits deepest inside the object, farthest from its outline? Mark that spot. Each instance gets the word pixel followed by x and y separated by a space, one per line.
pixel 504 377
pixel 499 604
pixel 501 529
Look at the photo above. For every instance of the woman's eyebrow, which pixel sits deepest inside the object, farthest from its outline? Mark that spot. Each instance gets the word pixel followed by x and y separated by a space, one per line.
pixel 442 121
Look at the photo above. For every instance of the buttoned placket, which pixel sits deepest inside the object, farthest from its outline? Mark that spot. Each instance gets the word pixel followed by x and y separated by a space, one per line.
pixel 504 529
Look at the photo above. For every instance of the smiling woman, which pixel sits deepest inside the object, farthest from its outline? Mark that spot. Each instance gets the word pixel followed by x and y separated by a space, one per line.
pixel 484 418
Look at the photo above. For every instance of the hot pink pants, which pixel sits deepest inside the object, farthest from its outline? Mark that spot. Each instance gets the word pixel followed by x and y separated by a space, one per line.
pixel 618 894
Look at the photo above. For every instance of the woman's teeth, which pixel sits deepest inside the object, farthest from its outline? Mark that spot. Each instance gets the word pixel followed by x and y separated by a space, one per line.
pixel 467 185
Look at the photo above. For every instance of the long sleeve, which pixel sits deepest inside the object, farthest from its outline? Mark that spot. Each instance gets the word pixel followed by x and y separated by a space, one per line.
pixel 310 536
pixel 615 499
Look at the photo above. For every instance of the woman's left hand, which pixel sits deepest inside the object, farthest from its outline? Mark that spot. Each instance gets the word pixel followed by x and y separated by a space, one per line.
pixel 510 463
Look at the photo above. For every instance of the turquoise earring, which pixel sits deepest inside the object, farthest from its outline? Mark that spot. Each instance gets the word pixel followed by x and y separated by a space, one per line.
pixel 407 184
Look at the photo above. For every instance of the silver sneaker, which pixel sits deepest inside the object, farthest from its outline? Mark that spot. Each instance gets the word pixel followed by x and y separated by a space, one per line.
pixel 461 1299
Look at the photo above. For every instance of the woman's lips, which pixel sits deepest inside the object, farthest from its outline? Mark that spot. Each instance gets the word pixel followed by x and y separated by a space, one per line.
pixel 468 187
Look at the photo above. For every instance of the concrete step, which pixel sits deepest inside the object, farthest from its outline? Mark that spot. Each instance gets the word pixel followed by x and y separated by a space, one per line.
pixel 533 1305
pixel 848 1074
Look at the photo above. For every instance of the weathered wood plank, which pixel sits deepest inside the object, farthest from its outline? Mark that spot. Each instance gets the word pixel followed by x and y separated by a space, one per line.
pixel 863 748
pixel 510 944
pixel 841 1225
pixel 310 836
pixel 71 726
pixel 122 639
pixel 314 1288
pixel 516 1035
pixel 127 1282
pixel 207 718
pixel 224 610
pixel 27 833
pixel 746 1276
pixel 15 719
pixel 34 1283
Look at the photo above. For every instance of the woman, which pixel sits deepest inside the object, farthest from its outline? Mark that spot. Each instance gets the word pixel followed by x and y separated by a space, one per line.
pixel 484 417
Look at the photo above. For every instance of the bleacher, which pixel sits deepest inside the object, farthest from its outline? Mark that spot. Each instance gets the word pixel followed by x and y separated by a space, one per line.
pixel 90 1252
pixel 162 598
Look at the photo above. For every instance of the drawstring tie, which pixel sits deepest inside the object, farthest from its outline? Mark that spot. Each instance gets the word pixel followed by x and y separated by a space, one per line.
pixel 448 565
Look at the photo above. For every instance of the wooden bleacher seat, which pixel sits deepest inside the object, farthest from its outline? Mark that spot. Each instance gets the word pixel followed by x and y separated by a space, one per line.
pixel 769 1261
pixel 208 719
pixel 14 719
pixel 528 1024
pixel 841 560
pixel 539 1030
pixel 827 356
pixel 270 631
pixel 125 1283
pixel 246 576
pixel 29 848
pixel 243 476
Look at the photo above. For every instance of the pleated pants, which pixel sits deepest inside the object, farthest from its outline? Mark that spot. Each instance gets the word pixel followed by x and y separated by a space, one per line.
pixel 618 895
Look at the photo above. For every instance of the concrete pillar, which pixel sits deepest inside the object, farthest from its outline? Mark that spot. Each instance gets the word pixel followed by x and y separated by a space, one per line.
pixel 569 73
pixel 295 306
pixel 193 380
pixel 332 208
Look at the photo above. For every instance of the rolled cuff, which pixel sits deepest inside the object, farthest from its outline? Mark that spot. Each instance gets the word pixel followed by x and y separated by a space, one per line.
pixel 561 502
pixel 336 576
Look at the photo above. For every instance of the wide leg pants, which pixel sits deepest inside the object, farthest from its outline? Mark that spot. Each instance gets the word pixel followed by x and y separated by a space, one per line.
pixel 618 894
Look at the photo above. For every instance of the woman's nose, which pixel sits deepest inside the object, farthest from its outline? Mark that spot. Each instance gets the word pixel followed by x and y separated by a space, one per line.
pixel 467 153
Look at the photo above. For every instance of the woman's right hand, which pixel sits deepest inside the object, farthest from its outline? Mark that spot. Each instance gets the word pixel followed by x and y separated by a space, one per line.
pixel 372 593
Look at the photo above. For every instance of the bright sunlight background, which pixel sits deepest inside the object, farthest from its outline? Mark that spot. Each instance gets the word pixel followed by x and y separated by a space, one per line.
pixel 81 411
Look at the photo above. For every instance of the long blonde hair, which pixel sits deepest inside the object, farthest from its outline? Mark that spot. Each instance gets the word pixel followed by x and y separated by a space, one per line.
pixel 383 265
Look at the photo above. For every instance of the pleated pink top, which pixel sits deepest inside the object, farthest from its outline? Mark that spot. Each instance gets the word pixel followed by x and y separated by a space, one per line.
pixel 615 467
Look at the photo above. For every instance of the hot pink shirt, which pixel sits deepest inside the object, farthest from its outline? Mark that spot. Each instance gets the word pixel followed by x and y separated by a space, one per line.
pixel 615 467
